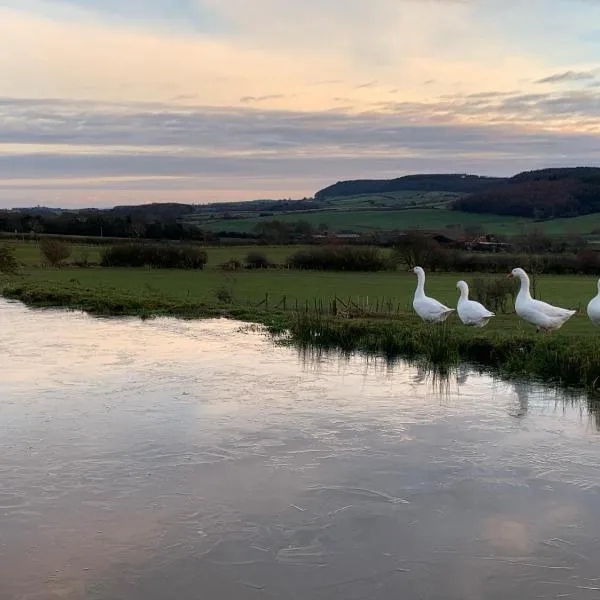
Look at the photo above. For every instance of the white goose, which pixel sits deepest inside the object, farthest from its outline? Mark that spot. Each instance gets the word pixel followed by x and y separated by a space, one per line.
pixel 544 316
pixel 593 308
pixel 470 312
pixel 429 309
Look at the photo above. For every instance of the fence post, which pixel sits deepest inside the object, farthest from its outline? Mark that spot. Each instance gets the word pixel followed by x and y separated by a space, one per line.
pixel 284 299
pixel 266 300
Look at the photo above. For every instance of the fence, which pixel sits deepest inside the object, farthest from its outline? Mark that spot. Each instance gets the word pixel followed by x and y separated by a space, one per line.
pixel 336 306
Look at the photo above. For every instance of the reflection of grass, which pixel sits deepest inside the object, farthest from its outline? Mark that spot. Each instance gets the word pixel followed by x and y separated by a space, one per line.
pixel 568 360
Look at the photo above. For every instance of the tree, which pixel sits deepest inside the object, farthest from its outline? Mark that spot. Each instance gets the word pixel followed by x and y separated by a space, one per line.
pixel 415 248
pixel 54 251
pixel 257 260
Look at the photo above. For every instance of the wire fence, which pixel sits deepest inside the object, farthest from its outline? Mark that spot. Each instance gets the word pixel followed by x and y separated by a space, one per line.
pixel 336 306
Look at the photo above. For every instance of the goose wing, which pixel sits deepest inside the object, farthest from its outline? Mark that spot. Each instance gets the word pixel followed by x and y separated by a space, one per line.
pixel 551 311
pixel 477 309
pixel 426 306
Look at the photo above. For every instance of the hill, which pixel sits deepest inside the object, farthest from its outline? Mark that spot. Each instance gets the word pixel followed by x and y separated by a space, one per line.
pixel 453 182
pixel 542 194
pixel 557 201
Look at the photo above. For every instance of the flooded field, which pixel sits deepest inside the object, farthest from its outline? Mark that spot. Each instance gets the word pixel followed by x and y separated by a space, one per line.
pixel 173 459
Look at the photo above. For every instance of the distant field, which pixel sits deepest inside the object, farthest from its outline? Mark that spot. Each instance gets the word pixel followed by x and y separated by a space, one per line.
pixel 428 218
pixel 392 200
pixel 362 221
pixel 396 210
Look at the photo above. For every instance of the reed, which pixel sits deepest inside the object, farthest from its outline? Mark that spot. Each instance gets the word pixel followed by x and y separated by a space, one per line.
pixel 560 360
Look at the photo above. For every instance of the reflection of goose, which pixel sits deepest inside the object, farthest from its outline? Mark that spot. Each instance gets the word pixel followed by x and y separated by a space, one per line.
pixel 421 374
pixel 470 312
pixel 593 308
pixel 429 309
pixel 463 374
pixel 522 393
pixel 544 316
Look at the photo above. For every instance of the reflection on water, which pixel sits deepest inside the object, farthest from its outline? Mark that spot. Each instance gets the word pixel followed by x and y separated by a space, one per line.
pixel 173 459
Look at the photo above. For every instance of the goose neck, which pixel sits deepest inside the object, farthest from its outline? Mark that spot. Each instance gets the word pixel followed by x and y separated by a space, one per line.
pixel 524 290
pixel 420 284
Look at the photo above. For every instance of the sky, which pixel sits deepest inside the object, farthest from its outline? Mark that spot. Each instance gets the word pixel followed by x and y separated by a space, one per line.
pixel 106 102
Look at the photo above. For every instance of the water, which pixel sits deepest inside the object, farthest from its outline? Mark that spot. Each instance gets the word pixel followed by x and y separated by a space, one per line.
pixel 171 459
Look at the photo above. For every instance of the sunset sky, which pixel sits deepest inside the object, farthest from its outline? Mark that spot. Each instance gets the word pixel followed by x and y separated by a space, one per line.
pixel 105 102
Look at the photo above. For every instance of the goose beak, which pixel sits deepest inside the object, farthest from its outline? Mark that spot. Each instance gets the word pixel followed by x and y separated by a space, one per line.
pixel 509 276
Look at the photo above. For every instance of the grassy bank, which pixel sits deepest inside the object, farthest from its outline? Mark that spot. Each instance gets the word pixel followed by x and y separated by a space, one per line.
pixel 568 360
pixel 569 357
pixel 383 323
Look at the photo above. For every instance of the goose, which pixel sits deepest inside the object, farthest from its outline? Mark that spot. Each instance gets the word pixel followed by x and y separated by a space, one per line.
pixel 429 309
pixel 544 316
pixel 593 308
pixel 470 312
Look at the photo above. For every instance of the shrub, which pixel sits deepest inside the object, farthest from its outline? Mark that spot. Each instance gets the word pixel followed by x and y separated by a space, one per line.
pixel 339 258
pixel 83 256
pixel 415 248
pixel 495 293
pixel 233 264
pixel 54 251
pixel 224 294
pixel 587 262
pixel 157 256
pixel 257 260
pixel 8 262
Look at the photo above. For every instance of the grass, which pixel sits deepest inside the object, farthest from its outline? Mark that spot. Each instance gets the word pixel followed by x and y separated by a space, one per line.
pixel 250 286
pixel 571 355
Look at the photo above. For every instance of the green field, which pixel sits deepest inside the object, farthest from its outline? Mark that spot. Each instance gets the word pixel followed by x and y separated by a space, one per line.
pixel 250 287
pixel 430 218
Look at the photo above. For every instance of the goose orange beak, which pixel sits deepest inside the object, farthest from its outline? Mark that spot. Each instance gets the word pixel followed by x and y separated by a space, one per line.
pixel 509 276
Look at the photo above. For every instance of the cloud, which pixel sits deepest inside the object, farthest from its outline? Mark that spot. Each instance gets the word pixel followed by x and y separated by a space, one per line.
pixel 250 99
pixel 280 96
pixel 268 48
pixel 211 153
pixel 568 77
pixel 366 84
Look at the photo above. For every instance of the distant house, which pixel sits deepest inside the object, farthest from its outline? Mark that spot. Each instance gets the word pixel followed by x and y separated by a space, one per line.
pixel 336 236
pixel 486 243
